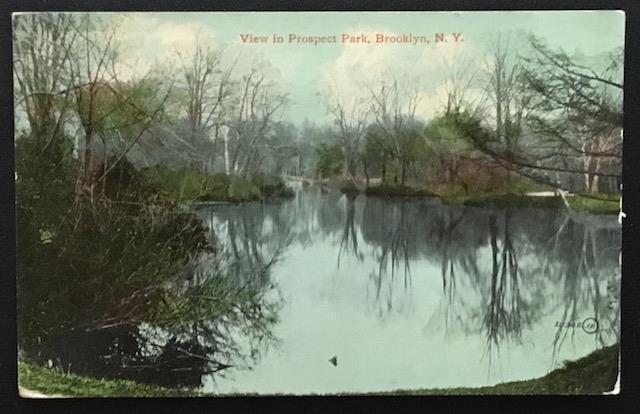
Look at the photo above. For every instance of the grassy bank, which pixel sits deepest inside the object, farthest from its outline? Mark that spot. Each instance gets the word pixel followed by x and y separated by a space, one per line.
pixel 190 185
pixel 515 194
pixel 512 194
pixel 601 204
pixel 505 200
pixel 592 204
pixel 53 382
pixel 460 193
pixel 594 374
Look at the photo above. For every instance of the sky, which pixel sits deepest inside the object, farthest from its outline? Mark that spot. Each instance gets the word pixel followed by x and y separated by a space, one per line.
pixel 307 72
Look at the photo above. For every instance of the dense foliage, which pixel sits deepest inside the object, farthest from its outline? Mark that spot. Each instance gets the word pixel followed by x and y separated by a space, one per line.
pixel 93 272
pixel 330 160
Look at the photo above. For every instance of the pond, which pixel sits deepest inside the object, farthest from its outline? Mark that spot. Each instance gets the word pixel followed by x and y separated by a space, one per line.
pixel 413 293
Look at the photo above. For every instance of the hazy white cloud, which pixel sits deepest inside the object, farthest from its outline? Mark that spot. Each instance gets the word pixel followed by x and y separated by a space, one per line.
pixel 433 102
pixel 146 40
pixel 423 66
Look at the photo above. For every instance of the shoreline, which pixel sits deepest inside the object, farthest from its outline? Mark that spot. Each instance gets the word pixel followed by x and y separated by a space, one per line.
pixel 596 204
pixel 593 374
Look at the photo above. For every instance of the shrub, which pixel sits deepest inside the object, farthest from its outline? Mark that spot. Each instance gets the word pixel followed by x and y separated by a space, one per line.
pixel 271 187
pixel 330 160
pixel 241 190
pixel 87 261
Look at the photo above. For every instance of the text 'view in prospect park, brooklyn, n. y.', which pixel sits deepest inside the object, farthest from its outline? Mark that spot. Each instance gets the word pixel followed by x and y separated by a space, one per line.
pixel 318 203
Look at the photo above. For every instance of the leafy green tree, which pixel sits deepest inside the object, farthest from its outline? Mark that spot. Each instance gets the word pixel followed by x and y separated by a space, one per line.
pixel 330 160
pixel 448 142
pixel 375 154
pixel 415 152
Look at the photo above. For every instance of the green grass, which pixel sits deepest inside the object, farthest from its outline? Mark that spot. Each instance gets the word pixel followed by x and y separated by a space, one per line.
pixel 51 382
pixel 594 374
pixel 520 185
pixel 602 204
pixel 190 185
pixel 511 195
pixel 577 203
pixel 514 195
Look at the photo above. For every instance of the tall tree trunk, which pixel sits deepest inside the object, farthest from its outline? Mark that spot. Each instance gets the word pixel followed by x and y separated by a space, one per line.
pixel 90 166
pixel 595 180
pixel 384 168
pixel 227 166
pixel 366 172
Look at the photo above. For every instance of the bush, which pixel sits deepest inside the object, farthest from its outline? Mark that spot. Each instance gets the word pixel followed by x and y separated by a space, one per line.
pixel 241 190
pixel 330 160
pixel 272 187
pixel 186 184
pixel 85 261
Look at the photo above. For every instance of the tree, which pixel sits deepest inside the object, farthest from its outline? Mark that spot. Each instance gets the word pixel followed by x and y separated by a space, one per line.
pixel 330 160
pixel 255 107
pixel 282 149
pixel 42 47
pixel 104 107
pixel 207 85
pixel 556 117
pixel 350 119
pixel 375 154
pixel 460 78
pixel 503 89
pixel 448 143
pixel 393 107
pixel 577 112
pixel 308 135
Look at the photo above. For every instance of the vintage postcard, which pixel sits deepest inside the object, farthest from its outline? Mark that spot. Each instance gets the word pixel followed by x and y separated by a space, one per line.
pixel 298 203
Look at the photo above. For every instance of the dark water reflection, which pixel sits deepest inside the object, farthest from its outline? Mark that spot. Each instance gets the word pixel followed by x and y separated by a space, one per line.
pixel 413 293
pixel 216 315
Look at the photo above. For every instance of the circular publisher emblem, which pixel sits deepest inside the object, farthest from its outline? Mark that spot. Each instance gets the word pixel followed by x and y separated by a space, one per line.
pixel 590 325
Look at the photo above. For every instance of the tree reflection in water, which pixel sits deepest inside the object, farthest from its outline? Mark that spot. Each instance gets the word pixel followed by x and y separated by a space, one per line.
pixel 590 277
pixel 349 240
pixel 512 263
pixel 504 272
pixel 504 275
pixel 218 314
pixel 387 228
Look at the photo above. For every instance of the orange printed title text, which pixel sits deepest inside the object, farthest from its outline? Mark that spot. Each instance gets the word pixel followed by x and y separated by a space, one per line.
pixel 351 38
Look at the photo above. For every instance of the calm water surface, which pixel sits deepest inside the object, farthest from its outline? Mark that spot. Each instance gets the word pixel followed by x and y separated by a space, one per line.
pixel 417 294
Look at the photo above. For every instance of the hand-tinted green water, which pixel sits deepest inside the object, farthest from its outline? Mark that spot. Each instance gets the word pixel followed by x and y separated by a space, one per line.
pixel 417 294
